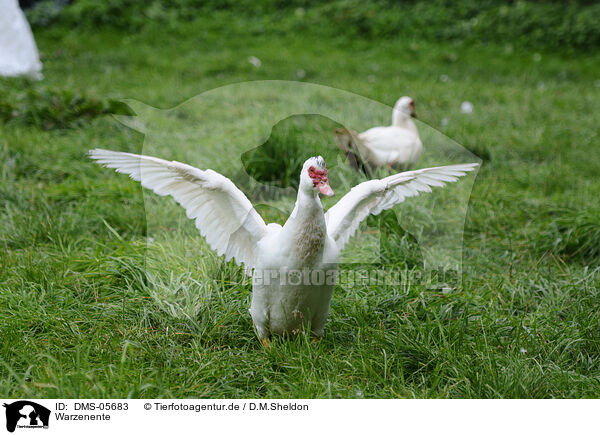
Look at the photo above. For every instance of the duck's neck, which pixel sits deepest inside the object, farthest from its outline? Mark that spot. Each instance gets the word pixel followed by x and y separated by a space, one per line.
pixel 308 209
pixel 306 228
pixel 401 120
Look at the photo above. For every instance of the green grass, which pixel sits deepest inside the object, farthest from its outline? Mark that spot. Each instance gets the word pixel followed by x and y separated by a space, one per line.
pixel 82 314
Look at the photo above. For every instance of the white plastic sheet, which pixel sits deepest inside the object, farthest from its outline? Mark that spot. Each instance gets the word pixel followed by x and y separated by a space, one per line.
pixel 18 52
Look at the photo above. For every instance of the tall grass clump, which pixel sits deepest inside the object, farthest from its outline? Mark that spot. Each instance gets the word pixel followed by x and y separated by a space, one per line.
pixel 574 234
pixel 279 160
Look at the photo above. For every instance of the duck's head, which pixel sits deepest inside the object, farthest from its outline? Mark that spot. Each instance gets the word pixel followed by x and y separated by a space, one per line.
pixel 405 106
pixel 313 177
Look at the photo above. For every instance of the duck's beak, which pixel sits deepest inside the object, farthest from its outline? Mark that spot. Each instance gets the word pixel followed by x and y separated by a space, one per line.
pixel 413 114
pixel 325 188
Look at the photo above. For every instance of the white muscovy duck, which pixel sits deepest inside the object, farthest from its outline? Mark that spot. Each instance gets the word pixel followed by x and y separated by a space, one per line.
pixel 294 267
pixel 395 146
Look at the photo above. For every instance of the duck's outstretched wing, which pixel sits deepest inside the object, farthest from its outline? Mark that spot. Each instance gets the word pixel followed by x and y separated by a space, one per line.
pixel 222 213
pixel 374 196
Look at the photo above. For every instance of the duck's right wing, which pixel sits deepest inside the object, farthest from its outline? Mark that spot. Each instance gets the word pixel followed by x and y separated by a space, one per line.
pixel 222 213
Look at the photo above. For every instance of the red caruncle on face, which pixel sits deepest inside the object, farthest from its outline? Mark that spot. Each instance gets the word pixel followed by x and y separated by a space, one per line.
pixel 319 179
pixel 317 176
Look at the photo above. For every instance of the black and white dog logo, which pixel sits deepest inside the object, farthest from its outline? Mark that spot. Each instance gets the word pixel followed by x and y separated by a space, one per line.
pixel 26 414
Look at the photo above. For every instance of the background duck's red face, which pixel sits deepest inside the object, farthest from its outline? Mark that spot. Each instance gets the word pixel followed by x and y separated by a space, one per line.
pixel 319 179
pixel 412 108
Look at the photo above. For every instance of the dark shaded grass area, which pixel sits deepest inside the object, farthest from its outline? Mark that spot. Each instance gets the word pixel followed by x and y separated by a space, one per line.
pixel 518 24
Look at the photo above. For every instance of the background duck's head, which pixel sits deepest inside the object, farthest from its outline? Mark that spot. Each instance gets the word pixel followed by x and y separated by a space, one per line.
pixel 313 177
pixel 406 107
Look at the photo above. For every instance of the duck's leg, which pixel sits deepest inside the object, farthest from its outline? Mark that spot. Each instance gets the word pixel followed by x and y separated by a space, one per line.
pixel 349 143
pixel 262 332
pixel 317 333
pixel 352 161
pixel 367 170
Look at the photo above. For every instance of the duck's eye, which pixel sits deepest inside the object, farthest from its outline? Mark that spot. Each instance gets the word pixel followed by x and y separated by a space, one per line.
pixel 311 170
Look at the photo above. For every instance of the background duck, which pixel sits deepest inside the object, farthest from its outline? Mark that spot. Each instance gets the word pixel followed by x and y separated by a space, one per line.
pixel 397 146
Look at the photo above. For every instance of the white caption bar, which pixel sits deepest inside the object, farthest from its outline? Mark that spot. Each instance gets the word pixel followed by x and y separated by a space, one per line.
pixel 159 416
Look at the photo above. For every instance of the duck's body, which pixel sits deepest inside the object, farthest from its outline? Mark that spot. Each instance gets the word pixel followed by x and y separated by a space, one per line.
pixel 294 267
pixel 396 146
pixel 290 291
pixel 393 147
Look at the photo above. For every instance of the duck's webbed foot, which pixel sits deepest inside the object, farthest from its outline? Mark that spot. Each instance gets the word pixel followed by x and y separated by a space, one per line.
pixel 317 334
pixel 265 342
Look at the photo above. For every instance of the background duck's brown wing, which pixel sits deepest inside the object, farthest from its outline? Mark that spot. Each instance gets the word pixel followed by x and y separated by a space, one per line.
pixel 347 141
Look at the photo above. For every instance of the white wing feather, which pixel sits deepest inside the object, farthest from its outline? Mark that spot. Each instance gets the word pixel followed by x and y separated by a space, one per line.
pixel 374 196
pixel 222 213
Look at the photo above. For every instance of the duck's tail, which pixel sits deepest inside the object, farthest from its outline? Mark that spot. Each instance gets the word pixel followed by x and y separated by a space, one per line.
pixel 348 142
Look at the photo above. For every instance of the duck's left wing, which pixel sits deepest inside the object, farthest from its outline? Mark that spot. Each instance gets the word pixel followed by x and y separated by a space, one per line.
pixel 222 213
pixel 374 196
